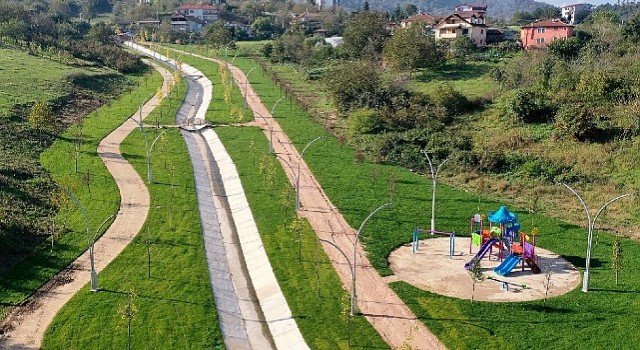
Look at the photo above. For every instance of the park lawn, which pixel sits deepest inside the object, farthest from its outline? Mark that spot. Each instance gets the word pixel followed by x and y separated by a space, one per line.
pixel 175 308
pixel 92 185
pixel 357 187
pixel 472 79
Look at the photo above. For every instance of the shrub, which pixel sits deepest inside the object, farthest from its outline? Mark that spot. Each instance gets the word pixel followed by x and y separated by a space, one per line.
pixel 529 106
pixel 576 120
pixel 363 121
pixel 450 102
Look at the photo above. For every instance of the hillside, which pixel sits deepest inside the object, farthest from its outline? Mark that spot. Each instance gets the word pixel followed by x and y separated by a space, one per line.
pixel 497 9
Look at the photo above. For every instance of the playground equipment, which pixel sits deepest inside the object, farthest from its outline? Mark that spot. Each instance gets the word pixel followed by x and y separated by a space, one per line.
pixel 416 239
pixel 504 234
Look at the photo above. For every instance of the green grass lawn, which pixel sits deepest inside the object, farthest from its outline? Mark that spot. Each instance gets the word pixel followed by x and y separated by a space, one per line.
pixel 26 79
pixel 175 307
pixel 471 78
pixel 357 187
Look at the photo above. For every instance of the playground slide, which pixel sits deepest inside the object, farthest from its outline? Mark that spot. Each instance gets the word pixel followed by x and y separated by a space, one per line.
pixel 481 253
pixel 532 264
pixel 507 265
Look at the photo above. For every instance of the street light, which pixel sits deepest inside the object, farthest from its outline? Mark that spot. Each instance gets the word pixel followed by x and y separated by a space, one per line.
pixel 246 84
pixel 298 177
pixel 273 108
pixel 434 178
pixel 90 240
pixel 270 124
pixel 590 226
pixel 353 267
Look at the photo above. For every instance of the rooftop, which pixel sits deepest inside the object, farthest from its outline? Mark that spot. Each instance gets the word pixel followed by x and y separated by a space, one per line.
pixel 549 22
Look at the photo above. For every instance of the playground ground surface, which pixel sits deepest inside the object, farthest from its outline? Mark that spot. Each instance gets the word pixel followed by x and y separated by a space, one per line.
pixel 431 269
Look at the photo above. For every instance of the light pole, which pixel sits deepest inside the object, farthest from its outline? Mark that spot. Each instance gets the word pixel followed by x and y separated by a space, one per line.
pixel 90 241
pixel 149 170
pixel 246 84
pixel 590 226
pixel 298 176
pixel 270 124
pixel 273 108
pixel 434 178
pixel 353 266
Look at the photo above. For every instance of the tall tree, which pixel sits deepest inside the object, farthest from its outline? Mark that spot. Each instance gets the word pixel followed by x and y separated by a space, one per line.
pixel 410 48
pixel 410 10
pixel 365 35
pixel 218 36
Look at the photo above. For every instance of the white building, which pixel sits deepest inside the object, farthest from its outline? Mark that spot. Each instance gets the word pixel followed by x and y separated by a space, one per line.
pixel 455 26
pixel 204 12
pixel 569 12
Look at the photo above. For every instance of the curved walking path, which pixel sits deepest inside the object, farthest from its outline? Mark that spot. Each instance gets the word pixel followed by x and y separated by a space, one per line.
pixel 253 312
pixel 25 326
pixel 377 302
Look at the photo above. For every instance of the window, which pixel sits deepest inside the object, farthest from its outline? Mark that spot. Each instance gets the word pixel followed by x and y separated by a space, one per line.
pixel 541 30
pixel 540 40
pixel 481 31
pixel 465 31
pixel 555 28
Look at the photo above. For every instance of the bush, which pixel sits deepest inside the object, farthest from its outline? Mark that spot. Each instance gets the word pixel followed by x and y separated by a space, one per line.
pixel 529 106
pixel 363 121
pixel 450 102
pixel 577 121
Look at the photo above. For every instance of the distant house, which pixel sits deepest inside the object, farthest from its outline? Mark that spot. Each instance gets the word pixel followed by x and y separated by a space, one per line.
pixel 193 17
pixel 187 24
pixel 455 26
pixel 495 35
pixel 424 18
pixel 569 11
pixel 472 13
pixel 541 32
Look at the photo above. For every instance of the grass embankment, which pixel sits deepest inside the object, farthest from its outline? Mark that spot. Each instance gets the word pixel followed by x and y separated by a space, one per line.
pixel 26 207
pixel 174 307
pixel 92 185
pixel 357 187
pixel 472 79
pixel 309 283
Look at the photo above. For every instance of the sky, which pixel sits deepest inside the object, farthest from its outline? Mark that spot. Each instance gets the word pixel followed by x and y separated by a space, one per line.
pixel 570 2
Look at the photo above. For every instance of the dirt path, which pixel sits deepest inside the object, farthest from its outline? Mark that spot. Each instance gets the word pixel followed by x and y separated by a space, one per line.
pixel 381 306
pixel 25 327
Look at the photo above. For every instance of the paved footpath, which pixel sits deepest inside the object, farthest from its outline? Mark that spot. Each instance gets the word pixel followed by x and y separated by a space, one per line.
pixel 381 306
pixel 25 327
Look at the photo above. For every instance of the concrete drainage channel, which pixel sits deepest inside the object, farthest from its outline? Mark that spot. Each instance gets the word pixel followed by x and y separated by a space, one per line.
pixel 253 312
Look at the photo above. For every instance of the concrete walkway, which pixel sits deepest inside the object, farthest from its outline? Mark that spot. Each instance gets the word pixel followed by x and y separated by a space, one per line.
pixel 381 306
pixel 253 311
pixel 25 327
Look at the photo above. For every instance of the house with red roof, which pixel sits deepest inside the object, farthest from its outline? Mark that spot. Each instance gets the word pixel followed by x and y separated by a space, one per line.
pixel 454 26
pixel 541 32
pixel 472 13
pixel 424 18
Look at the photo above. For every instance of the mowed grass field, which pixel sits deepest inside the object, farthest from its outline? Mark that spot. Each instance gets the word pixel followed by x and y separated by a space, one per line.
pixel 564 322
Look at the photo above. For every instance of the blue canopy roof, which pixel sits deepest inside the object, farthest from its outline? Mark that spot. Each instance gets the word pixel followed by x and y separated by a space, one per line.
pixel 502 216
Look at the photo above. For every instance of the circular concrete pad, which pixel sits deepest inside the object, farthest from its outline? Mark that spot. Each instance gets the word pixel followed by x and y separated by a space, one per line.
pixel 432 270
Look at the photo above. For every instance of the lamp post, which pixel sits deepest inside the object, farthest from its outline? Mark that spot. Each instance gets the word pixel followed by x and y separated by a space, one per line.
pixel 90 240
pixel 149 170
pixel 246 84
pixel 353 266
pixel 434 178
pixel 590 226
pixel 298 176
pixel 270 124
